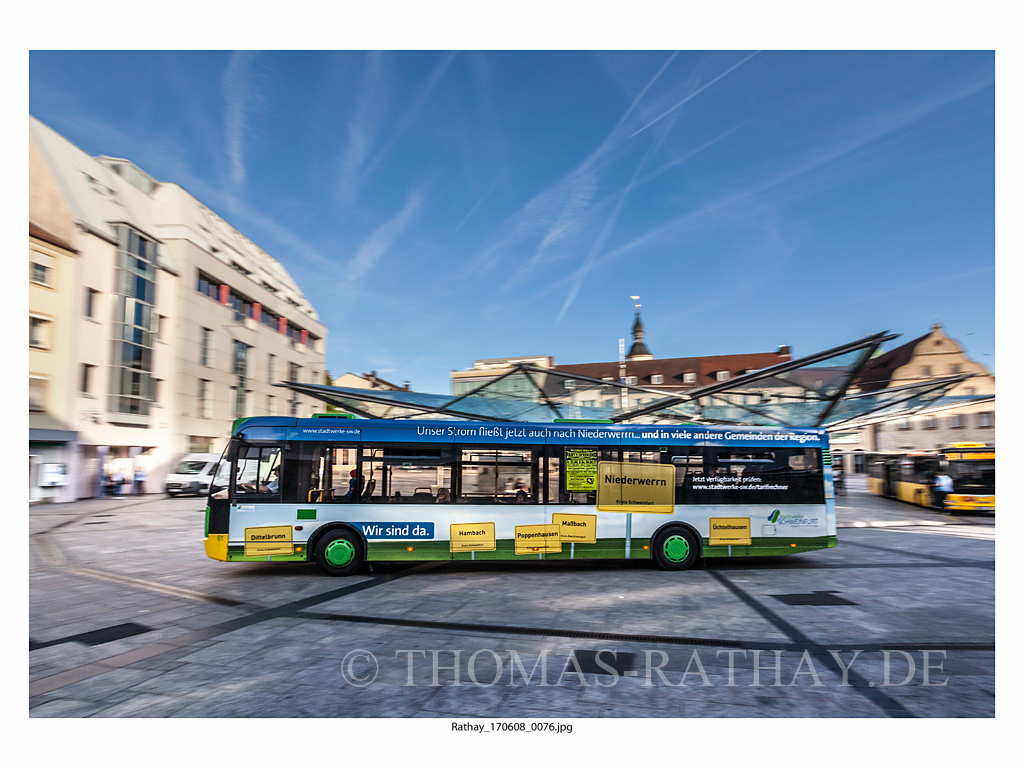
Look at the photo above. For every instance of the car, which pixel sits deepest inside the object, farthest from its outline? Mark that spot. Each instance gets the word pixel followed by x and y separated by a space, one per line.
pixel 192 475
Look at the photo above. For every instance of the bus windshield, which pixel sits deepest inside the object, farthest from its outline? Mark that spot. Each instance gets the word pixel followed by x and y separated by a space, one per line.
pixel 973 476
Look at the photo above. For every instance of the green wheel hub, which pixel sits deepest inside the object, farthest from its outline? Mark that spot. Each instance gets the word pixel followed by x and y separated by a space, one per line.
pixel 340 553
pixel 676 548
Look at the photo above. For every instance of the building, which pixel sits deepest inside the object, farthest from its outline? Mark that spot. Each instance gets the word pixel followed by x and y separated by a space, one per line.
pixel 484 371
pixel 667 376
pixel 51 320
pixel 367 381
pixel 165 323
pixel 967 413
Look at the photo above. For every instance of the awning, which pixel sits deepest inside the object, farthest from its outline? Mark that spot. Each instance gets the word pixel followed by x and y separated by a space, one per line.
pixel 814 391
pixel 43 428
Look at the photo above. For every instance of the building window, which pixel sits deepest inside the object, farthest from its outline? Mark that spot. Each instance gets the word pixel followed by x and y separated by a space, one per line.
pixel 204 346
pixel 903 424
pixel 721 375
pixel 986 419
pixel 270 405
pixel 239 402
pixel 40 274
pixel 293 408
pixel 631 380
pixel 271 365
pixel 84 384
pixel 293 374
pixel 37 393
pixel 954 369
pixel 90 302
pixel 200 444
pixel 39 332
pixel 134 327
pixel 160 326
pixel 240 364
pixel 208 286
pixel 930 422
pixel 969 391
pixel 203 396
pixel 957 421
pixel 657 378
pixel 926 370
pixel 689 378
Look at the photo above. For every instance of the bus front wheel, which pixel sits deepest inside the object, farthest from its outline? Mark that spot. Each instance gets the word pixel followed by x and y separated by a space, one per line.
pixel 339 553
pixel 675 549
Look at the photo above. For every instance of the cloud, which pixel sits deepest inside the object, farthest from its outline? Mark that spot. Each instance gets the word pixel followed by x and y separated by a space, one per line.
pixel 363 126
pixel 480 202
pixel 239 95
pixel 358 164
pixel 570 206
pixel 694 93
pixel 861 135
pixel 380 242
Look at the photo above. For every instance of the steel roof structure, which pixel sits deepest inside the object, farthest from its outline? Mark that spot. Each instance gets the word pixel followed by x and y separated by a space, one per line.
pixel 818 390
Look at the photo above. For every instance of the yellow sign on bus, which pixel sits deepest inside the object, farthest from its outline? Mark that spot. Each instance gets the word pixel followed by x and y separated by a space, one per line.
pixel 729 531
pixel 270 540
pixel 531 539
pixel 633 487
pixel 971 456
pixel 472 537
pixel 576 528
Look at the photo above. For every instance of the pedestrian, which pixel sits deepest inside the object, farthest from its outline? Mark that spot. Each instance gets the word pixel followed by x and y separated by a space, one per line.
pixel 838 482
pixel 140 478
pixel 116 481
pixel 941 487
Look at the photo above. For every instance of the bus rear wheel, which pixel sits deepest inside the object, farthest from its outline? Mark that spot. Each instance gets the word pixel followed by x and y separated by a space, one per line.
pixel 339 553
pixel 675 549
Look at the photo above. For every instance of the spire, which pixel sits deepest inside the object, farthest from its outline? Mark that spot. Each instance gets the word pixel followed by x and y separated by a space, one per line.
pixel 639 350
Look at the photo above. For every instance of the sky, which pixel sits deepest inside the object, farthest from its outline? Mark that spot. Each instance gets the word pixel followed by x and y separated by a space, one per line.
pixel 441 207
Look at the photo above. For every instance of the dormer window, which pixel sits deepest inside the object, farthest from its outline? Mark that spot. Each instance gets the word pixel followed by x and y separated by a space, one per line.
pixel 657 378
pixel 721 375
pixel 689 378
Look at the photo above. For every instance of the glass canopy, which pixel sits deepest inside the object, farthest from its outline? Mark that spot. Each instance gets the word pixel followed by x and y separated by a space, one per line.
pixel 815 391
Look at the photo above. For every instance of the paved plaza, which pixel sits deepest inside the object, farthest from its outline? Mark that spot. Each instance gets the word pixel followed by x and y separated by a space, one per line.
pixel 130 619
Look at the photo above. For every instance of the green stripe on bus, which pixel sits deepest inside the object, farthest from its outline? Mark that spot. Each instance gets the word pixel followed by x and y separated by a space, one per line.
pixel 765 546
pixel 305 514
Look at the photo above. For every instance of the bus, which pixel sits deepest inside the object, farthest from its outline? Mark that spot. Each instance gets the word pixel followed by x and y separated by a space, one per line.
pixel 341 491
pixel 910 476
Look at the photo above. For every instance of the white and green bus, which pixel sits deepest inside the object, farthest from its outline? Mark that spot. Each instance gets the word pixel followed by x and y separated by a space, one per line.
pixel 341 491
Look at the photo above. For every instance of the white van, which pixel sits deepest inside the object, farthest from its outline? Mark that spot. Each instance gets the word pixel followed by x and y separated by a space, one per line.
pixel 192 474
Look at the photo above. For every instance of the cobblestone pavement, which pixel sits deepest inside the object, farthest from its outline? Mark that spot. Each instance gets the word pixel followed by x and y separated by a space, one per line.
pixel 130 619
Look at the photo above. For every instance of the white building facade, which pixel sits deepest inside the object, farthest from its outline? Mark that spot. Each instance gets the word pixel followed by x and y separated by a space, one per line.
pixel 175 323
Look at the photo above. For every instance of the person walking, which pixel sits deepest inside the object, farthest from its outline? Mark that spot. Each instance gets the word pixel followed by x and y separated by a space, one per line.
pixel 116 481
pixel 943 486
pixel 140 479
pixel 838 482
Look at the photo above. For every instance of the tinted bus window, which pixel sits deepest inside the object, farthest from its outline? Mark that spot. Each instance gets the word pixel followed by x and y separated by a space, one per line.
pixel 756 476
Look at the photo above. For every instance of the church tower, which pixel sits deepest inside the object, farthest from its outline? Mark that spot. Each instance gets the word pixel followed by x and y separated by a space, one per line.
pixel 639 350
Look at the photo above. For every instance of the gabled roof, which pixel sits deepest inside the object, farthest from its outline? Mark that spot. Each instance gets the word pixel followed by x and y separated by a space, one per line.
pixel 877 374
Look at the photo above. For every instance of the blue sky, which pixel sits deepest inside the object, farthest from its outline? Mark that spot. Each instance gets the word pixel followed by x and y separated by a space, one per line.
pixel 438 208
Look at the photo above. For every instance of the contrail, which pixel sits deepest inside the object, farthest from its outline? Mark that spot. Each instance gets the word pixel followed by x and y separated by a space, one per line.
pixel 702 88
pixel 481 200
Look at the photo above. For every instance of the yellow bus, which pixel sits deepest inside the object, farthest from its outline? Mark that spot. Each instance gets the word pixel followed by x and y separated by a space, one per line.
pixel 910 476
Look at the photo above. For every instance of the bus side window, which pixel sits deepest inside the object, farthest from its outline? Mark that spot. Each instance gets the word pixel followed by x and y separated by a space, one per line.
pixel 689 463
